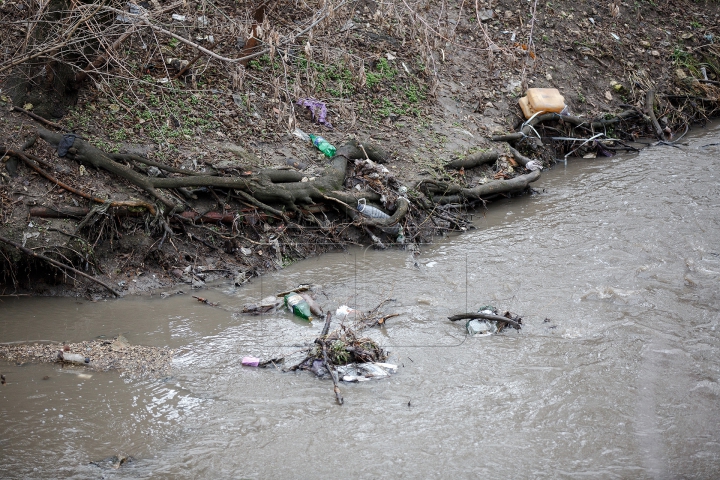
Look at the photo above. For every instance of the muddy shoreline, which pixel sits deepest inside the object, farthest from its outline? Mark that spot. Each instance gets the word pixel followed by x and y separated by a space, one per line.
pixel 99 355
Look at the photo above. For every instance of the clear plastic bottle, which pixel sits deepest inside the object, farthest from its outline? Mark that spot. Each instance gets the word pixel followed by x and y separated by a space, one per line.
pixel 298 306
pixel 370 211
pixel 323 145
pixel 73 358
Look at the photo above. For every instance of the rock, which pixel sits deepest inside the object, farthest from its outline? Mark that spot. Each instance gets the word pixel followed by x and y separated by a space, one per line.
pixel 486 15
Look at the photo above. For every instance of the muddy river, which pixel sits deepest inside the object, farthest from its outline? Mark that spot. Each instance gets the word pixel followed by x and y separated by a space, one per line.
pixel 614 266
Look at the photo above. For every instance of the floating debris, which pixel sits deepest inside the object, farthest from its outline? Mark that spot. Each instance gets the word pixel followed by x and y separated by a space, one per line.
pixel 488 321
pixel 343 353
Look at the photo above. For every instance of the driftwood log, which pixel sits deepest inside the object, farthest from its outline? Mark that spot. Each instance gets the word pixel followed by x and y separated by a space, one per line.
pixel 486 316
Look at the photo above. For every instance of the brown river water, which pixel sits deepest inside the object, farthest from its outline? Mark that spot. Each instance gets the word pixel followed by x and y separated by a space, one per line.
pixel 614 266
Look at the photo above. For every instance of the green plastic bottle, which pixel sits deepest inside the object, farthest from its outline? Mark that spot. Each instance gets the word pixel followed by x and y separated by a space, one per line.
pixel 323 145
pixel 297 305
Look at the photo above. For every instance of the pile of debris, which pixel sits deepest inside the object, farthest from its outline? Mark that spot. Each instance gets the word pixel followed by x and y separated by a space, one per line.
pixel 343 353
pixel 99 355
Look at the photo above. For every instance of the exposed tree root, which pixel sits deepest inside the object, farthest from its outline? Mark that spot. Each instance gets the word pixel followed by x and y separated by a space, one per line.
pixel 473 160
pixel 444 193
pixel 60 265
pixel 121 203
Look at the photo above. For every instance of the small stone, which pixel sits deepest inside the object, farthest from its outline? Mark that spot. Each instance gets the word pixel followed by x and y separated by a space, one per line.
pixel 645 43
pixel 548 76
pixel 655 53
pixel 680 74
pixel 486 15
pixel 608 96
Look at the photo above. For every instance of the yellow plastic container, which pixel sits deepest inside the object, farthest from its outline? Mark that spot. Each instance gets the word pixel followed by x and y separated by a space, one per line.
pixel 525 107
pixel 542 100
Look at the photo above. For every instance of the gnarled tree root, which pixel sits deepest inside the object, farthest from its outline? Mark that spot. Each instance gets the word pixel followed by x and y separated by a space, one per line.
pixel 527 128
pixel 444 193
pixel 473 160
pixel 268 186
pixel 25 157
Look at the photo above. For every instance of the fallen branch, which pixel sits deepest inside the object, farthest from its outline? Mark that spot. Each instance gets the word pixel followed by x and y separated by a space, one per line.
pixel 650 110
pixel 29 252
pixel 206 301
pixel 74 212
pixel 485 316
pixel 38 118
pixel 328 364
pixel 187 67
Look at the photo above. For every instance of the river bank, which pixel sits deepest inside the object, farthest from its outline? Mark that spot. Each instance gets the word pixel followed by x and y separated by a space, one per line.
pixel 429 85
pixel 614 371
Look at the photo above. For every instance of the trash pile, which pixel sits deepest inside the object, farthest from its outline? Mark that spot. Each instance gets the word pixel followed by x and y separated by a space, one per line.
pixel 343 354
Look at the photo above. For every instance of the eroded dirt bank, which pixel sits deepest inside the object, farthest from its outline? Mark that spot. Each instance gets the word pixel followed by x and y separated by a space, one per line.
pixel 429 83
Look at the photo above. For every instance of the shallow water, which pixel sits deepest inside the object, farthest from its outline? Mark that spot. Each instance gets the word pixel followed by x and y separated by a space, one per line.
pixel 614 266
